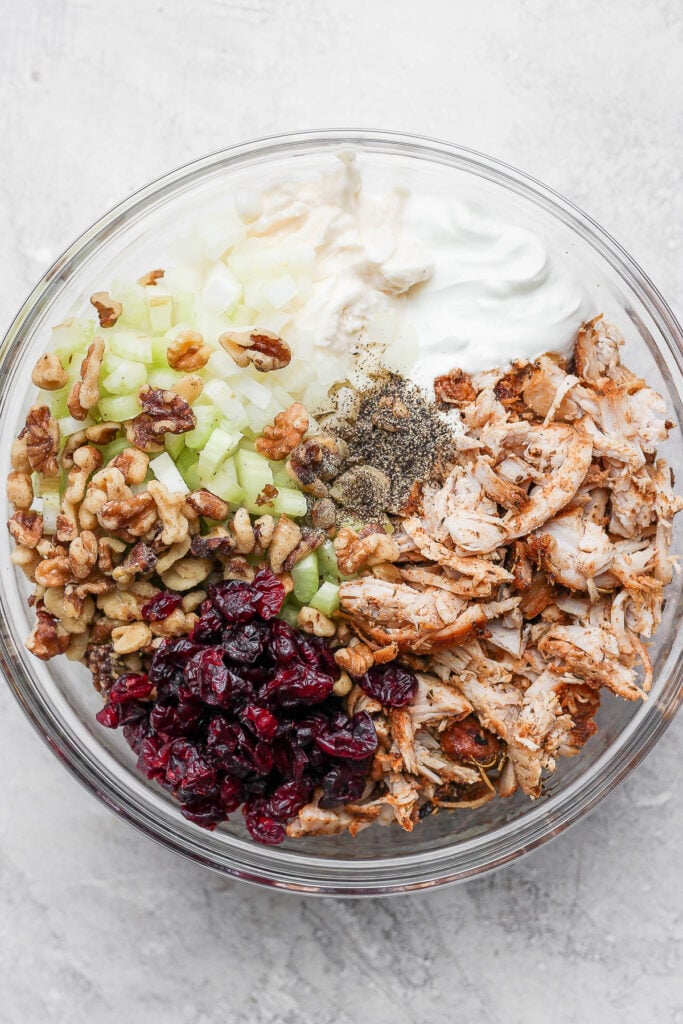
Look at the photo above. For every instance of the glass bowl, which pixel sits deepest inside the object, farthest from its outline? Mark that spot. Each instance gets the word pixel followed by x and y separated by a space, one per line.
pixel 57 697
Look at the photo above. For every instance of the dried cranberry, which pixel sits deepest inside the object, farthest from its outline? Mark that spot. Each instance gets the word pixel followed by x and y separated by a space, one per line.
pixel 235 600
pixel 288 799
pixel 208 627
pixel 260 825
pixel 171 655
pixel 230 795
pixel 131 712
pixel 283 644
pixel 135 733
pixel 298 685
pixel 269 592
pixel 188 770
pixel 262 721
pixel 244 643
pixel 130 687
pixel 306 729
pixel 161 606
pixel 263 758
pixel 109 716
pixel 392 685
pixel 153 757
pixel 341 786
pixel 207 677
pixel 203 812
pixel 354 739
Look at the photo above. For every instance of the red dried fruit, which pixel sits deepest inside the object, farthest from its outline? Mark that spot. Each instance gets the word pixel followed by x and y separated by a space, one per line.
pixel 161 606
pixel 392 685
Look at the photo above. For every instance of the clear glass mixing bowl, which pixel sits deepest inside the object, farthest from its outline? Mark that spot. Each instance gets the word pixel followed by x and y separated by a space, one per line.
pixel 58 698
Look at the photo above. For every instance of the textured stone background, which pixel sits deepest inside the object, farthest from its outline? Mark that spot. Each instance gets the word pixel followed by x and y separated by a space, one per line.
pixel 97 925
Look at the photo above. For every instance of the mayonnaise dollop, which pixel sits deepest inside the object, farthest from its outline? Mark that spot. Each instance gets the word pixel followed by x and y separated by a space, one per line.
pixel 364 258
pixel 465 286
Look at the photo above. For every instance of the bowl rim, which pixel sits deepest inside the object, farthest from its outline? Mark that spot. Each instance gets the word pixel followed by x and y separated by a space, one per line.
pixel 543 821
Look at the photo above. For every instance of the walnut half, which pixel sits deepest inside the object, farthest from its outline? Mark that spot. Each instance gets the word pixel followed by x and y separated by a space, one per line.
pixel 281 437
pixel 263 349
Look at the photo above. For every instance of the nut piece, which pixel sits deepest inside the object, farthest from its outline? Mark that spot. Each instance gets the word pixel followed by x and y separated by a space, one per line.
pixel 164 412
pixel 206 504
pixel 353 551
pixel 316 460
pixel 218 543
pixel 286 536
pixel 343 686
pixel 19 456
pixel 310 540
pixel 19 490
pixel 108 309
pixel 42 441
pixel 133 464
pixel 53 572
pixel 48 373
pixel 238 569
pixel 140 559
pixel 86 392
pixel 170 508
pixel 133 516
pixel 83 553
pixel 127 639
pixel 243 531
pixel 454 388
pixel 26 527
pixel 263 349
pixel 47 638
pixel 285 432
pixel 186 573
pixel 264 528
pixel 385 654
pixel 173 555
pixel 151 277
pixel 324 514
pixel 189 387
pixel 313 621
pixel 102 433
pixel 188 352
pixel 26 559
pixel 356 659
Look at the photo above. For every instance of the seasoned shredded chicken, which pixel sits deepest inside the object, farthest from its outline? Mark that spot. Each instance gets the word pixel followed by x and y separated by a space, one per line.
pixel 527 582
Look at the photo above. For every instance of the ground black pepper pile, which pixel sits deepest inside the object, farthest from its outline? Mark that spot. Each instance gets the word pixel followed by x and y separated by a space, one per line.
pixel 395 438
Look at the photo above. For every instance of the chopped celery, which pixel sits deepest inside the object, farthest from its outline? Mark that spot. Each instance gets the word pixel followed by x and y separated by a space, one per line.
pixel 217 392
pixel 159 378
pixel 174 444
pixel 208 418
pixel 135 347
pixel 224 483
pixel 326 600
pixel 56 401
pixel 218 447
pixel 289 613
pixel 281 477
pixel 114 448
pixel 186 464
pixel 68 425
pixel 327 561
pixel 134 301
pixel 160 305
pixel 253 471
pixel 167 474
pixel 125 378
pixel 119 408
pixel 111 363
pixel 290 503
pixel 72 335
pixel 257 394
pixel 305 577
pixel 49 492
pixel 160 352
pixel 185 304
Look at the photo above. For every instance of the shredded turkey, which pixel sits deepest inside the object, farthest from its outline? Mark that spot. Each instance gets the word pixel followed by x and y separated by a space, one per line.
pixel 529 579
